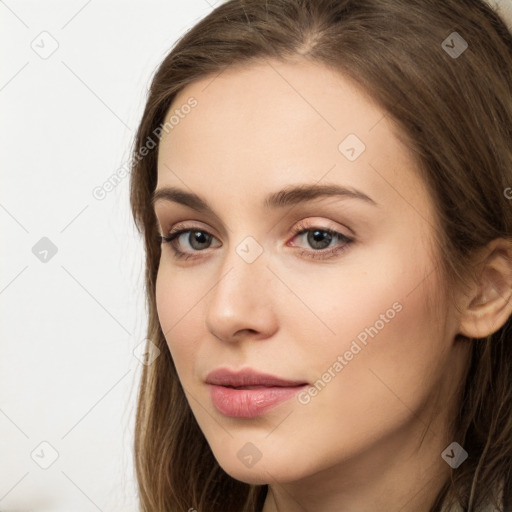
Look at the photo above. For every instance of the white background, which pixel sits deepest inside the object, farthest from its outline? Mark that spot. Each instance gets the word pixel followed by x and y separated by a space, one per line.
pixel 69 325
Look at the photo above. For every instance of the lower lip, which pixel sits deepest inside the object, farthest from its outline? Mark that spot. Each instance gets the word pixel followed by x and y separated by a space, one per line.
pixel 249 403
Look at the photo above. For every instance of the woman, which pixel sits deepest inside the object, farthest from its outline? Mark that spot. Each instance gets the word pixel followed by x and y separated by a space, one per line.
pixel 328 231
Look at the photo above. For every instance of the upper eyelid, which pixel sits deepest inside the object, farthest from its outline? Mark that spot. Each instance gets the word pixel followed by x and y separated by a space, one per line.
pixel 304 226
pixel 299 228
pixel 160 207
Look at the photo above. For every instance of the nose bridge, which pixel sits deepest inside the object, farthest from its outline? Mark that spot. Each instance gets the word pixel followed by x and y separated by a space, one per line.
pixel 241 298
pixel 243 268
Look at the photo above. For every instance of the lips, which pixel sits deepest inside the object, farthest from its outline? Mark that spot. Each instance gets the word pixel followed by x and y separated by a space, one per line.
pixel 247 393
pixel 248 378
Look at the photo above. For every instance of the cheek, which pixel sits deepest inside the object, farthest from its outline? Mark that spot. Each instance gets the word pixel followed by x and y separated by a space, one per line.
pixel 179 314
pixel 370 299
pixel 389 349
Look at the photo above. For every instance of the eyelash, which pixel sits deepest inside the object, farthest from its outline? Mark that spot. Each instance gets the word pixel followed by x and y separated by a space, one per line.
pixel 299 230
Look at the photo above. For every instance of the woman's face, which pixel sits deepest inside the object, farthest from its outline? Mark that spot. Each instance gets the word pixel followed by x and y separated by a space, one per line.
pixel 346 314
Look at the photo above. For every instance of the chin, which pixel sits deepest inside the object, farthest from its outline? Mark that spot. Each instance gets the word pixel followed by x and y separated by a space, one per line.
pixel 248 477
pixel 278 468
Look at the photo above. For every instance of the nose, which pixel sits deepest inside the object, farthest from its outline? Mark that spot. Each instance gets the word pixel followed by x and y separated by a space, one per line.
pixel 241 305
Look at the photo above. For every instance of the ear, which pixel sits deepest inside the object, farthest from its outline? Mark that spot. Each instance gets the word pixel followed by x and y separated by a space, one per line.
pixel 489 304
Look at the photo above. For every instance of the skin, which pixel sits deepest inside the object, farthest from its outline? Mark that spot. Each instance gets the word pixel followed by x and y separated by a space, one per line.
pixel 372 438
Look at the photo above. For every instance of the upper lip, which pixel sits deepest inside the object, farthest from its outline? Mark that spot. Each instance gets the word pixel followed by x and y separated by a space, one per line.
pixel 248 377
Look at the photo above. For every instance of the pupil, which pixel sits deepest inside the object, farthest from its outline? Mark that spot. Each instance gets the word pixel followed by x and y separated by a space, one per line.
pixel 199 237
pixel 319 237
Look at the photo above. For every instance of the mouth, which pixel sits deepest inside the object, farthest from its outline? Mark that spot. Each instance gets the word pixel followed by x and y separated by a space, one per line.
pixel 247 393
pixel 249 387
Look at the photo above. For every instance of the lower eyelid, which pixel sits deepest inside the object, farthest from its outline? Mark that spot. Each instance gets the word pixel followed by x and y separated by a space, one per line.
pixel 341 237
pixel 187 232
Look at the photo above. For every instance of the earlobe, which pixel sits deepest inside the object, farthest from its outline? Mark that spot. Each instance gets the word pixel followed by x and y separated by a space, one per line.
pixel 490 304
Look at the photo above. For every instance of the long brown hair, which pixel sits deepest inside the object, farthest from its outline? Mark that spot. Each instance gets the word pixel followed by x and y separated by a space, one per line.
pixel 454 112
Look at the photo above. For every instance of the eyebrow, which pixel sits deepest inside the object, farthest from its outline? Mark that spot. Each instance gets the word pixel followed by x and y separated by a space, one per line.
pixel 289 196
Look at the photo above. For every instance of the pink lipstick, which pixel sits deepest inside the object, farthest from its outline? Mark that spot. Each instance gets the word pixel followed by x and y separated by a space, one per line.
pixel 247 393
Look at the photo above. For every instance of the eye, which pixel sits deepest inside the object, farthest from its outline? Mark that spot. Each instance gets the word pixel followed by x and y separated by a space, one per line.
pixel 320 238
pixel 197 239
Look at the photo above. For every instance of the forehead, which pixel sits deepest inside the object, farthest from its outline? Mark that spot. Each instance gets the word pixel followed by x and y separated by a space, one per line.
pixel 273 102
pixel 262 126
